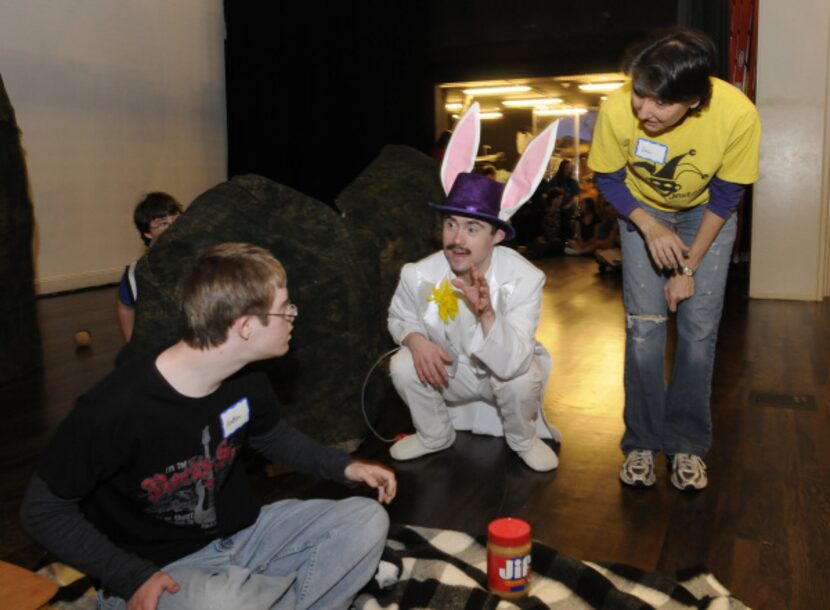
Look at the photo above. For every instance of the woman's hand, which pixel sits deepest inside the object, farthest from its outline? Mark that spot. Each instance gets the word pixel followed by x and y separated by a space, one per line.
pixel 665 247
pixel 678 288
pixel 667 250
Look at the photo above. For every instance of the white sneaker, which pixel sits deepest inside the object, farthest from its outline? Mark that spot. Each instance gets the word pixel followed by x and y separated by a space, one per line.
pixel 688 472
pixel 539 457
pixel 411 447
pixel 638 468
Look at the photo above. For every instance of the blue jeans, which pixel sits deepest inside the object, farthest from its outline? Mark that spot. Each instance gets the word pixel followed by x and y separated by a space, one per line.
pixel 298 554
pixel 673 417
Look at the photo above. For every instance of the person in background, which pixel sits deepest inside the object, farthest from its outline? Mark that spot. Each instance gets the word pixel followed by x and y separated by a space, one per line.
pixel 597 229
pixel 673 151
pixel 569 205
pixel 440 145
pixel 143 487
pixel 489 170
pixel 152 216
pixel 585 230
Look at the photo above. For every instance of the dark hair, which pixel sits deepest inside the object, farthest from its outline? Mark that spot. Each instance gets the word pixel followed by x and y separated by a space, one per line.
pixel 672 65
pixel 560 178
pixel 154 205
pixel 590 206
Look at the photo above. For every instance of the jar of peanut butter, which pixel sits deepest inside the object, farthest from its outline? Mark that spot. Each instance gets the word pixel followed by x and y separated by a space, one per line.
pixel 508 558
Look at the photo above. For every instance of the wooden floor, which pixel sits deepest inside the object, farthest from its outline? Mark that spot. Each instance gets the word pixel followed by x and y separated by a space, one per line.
pixel 761 527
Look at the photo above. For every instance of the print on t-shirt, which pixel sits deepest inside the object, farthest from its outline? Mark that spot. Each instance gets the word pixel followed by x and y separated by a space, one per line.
pixel 184 493
pixel 664 179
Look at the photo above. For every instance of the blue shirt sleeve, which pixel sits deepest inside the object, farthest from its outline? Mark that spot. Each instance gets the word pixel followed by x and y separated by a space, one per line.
pixel 125 295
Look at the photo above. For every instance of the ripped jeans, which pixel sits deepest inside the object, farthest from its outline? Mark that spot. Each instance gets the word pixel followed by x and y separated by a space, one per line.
pixel 673 417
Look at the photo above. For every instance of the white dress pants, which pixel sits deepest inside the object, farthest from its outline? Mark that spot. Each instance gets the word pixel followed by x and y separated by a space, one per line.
pixel 518 400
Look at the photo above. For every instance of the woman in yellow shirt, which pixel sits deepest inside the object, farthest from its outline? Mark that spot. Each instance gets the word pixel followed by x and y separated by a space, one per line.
pixel 672 151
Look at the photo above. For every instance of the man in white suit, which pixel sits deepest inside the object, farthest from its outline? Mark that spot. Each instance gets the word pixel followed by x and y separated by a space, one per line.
pixel 466 317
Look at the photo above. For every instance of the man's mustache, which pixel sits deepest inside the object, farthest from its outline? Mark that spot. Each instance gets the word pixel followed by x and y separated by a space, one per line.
pixel 459 249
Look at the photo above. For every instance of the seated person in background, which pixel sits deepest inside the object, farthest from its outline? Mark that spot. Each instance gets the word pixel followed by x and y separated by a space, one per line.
pixel 552 221
pixel 527 222
pixel 542 225
pixel 569 207
pixel 591 231
pixel 609 228
pixel 142 487
pixel 152 216
pixel 466 317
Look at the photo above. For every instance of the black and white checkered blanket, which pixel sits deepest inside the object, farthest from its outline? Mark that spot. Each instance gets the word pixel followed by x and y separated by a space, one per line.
pixel 444 569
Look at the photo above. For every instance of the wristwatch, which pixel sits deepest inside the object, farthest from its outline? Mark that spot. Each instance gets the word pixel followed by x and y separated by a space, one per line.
pixel 688 271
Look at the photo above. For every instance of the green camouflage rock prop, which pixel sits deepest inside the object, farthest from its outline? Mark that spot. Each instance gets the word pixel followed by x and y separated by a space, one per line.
pixel 20 347
pixel 386 213
pixel 316 380
pixel 342 270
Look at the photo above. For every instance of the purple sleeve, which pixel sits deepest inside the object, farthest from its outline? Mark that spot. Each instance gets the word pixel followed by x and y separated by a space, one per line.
pixel 612 187
pixel 724 197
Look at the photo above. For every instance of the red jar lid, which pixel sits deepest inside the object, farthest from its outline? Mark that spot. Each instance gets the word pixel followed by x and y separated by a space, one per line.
pixel 509 532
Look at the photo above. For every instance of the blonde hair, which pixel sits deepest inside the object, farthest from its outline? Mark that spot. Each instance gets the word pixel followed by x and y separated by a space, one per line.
pixel 224 283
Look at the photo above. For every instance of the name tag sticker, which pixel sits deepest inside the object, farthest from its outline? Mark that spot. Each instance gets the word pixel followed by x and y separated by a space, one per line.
pixel 651 151
pixel 234 417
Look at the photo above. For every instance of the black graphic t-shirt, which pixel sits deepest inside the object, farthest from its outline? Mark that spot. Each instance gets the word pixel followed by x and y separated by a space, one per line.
pixel 160 473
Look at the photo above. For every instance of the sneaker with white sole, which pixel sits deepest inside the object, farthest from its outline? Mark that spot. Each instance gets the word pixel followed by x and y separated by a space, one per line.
pixel 638 468
pixel 688 472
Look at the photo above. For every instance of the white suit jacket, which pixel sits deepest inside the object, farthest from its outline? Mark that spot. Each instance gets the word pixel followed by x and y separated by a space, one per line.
pixel 516 294
pixel 510 347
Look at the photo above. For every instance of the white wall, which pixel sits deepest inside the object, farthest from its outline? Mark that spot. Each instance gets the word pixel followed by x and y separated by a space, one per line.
pixel 114 98
pixel 789 226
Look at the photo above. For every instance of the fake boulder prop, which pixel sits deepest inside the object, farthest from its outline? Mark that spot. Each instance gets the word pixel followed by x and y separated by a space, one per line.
pixel 386 214
pixel 341 275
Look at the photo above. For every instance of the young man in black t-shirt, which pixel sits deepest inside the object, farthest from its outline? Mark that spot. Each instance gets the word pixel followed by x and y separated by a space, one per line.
pixel 142 487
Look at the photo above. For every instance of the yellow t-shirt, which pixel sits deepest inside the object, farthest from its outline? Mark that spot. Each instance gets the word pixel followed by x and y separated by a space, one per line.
pixel 671 171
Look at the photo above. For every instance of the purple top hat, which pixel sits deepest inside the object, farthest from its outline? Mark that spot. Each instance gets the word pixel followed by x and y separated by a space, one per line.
pixel 476 196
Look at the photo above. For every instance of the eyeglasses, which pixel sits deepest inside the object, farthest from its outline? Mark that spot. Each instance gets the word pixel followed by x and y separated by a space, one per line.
pixel 162 222
pixel 291 313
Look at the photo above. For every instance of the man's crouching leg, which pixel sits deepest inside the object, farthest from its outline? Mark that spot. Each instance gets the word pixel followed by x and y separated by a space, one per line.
pixel 433 429
pixel 299 554
pixel 519 401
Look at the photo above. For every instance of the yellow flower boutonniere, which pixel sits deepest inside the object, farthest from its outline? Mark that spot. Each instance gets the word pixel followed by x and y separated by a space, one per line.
pixel 446 298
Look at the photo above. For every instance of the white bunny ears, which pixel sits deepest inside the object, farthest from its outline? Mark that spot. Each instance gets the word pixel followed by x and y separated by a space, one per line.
pixel 460 156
